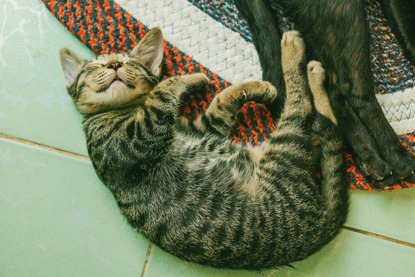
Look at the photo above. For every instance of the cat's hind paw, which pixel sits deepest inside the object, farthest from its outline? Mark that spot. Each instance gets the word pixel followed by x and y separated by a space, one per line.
pixel 316 76
pixel 292 49
pixel 197 79
pixel 194 83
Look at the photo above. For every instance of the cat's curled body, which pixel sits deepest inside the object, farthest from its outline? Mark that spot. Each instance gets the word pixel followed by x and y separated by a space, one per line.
pixel 188 188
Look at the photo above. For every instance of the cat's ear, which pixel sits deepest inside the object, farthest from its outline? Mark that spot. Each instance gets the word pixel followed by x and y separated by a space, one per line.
pixel 71 64
pixel 150 51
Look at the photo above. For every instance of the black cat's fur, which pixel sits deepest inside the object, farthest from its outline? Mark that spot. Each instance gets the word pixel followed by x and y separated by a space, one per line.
pixel 336 33
pixel 401 17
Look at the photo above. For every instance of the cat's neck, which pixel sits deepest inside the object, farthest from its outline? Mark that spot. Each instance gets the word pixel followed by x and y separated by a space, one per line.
pixel 90 110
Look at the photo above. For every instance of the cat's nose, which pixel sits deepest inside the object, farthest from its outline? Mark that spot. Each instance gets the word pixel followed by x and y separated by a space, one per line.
pixel 114 64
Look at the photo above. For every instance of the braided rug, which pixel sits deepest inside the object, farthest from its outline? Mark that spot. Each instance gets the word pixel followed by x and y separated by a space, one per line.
pixel 211 32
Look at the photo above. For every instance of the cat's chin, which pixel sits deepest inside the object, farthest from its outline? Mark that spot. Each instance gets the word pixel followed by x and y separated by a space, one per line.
pixel 117 88
pixel 116 84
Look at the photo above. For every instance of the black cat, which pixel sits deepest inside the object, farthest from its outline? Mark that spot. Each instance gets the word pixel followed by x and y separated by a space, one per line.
pixel 337 34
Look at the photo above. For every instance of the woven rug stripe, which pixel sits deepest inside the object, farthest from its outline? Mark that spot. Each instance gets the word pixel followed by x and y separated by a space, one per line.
pixel 194 32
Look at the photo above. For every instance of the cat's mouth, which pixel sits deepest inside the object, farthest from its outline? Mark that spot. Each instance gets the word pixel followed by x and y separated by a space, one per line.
pixel 115 84
pixel 117 79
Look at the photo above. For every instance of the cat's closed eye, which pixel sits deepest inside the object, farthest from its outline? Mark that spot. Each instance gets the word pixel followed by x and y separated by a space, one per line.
pixel 113 80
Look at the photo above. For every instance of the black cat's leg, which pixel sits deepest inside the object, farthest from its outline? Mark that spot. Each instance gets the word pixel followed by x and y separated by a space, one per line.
pixel 400 15
pixel 220 115
pixel 337 33
pixel 365 151
pixel 359 141
pixel 266 35
pixel 364 104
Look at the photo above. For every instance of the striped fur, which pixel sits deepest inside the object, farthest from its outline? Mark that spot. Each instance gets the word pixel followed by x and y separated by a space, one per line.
pixel 188 188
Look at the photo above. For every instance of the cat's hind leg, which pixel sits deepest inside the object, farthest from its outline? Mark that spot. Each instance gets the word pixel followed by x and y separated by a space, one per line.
pixel 289 151
pixel 287 167
pixel 333 171
pixel 297 105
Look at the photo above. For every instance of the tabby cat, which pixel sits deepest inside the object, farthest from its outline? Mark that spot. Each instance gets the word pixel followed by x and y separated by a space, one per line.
pixel 185 185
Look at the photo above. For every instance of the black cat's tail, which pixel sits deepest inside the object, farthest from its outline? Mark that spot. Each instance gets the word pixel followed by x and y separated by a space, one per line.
pixel 267 40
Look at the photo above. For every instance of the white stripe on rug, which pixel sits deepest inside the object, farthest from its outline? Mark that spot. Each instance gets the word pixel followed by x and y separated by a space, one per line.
pixel 399 109
pixel 195 33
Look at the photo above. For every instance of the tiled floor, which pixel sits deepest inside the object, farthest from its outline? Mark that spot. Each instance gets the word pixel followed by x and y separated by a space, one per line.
pixel 58 219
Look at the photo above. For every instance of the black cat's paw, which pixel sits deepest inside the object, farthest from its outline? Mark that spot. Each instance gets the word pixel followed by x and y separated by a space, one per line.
pixel 378 173
pixel 404 166
pixel 386 174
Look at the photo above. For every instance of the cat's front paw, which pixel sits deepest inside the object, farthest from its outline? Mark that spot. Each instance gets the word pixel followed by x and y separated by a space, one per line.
pixel 260 92
pixel 198 79
pixel 194 83
pixel 292 49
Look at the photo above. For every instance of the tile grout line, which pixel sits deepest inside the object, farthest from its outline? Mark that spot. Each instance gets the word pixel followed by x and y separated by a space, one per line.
pixel 405 243
pixel 44 147
pixel 60 151
pixel 150 246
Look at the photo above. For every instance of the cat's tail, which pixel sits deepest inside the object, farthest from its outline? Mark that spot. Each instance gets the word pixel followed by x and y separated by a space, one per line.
pixel 333 169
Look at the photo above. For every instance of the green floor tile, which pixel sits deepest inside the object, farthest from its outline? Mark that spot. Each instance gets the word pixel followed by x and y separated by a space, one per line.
pixel 162 264
pixel 387 213
pixel 34 104
pixel 349 254
pixel 58 219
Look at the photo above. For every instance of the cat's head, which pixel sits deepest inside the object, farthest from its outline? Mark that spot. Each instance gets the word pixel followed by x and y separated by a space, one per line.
pixel 113 81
